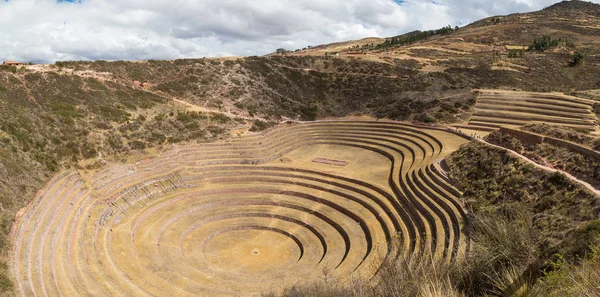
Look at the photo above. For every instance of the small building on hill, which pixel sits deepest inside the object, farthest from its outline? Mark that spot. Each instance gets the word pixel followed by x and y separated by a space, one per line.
pixel 12 63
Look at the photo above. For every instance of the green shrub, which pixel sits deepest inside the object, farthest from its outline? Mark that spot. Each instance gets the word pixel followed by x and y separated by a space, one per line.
pixel 192 126
pixel 115 142
pixel 543 43
pixel 94 84
pixel 6 284
pixel 137 144
pixel 492 179
pixel 185 117
pixel 112 113
pixel 156 137
pixel 220 118
pixel 499 244
pixel 561 132
pixel 414 37
pixel 596 108
pixel 215 130
pixel 566 279
pixel 583 239
pixel 449 108
pixel 308 113
pixel 8 68
pixel 576 59
pixel 596 144
pixel 424 118
pixel 68 112
pixel 259 125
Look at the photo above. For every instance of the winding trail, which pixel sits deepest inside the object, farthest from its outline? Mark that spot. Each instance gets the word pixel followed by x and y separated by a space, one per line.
pixel 545 168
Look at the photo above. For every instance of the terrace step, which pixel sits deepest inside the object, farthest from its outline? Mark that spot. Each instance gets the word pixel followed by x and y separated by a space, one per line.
pixel 530 118
pixel 534 110
pixel 545 106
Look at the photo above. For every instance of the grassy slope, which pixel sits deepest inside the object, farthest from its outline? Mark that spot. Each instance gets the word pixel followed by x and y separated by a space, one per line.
pixel 294 87
pixel 552 214
pixel 579 165
pixel 495 182
pixel 547 213
pixel 565 133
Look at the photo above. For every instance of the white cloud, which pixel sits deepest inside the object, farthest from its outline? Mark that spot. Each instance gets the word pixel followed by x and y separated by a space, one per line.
pixel 46 31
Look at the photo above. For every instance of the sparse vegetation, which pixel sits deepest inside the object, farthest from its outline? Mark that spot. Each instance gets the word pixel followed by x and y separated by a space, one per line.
pixel 417 277
pixel 9 68
pixel 576 59
pixel 259 125
pixel 584 167
pixel 413 37
pixel 544 43
pixel 515 189
pixel 562 132
pixel 567 279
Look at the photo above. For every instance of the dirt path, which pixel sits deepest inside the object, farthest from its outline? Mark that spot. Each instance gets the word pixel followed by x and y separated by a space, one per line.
pixel 27 91
pixel 545 168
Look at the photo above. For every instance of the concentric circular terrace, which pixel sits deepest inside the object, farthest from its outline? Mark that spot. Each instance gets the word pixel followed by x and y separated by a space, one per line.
pixel 254 214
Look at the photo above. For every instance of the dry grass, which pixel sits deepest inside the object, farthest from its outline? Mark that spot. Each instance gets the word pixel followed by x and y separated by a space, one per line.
pixel 569 280
pixel 420 276
pixel 509 282
pixel 495 267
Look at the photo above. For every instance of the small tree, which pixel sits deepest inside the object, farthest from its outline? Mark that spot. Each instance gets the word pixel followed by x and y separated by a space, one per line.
pixel 576 59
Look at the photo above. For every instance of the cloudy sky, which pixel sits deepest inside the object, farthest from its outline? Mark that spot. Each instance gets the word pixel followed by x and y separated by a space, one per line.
pixel 51 30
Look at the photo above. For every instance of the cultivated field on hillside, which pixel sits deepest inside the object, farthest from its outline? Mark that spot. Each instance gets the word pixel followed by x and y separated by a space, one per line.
pixel 496 108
